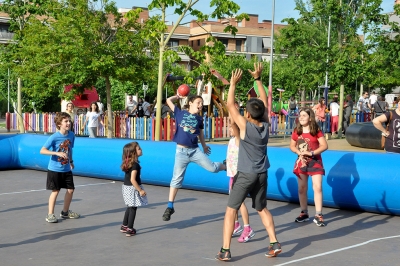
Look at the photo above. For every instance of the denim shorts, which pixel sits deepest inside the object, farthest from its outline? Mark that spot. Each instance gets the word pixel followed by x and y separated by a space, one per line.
pixel 183 157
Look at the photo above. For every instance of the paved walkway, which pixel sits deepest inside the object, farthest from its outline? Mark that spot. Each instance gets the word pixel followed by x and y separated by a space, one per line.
pixel 192 237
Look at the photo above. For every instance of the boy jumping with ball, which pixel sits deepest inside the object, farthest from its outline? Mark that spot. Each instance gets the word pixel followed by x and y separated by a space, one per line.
pixel 251 177
pixel 59 175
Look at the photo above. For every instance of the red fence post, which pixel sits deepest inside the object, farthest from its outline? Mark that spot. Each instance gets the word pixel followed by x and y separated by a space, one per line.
pixel 8 122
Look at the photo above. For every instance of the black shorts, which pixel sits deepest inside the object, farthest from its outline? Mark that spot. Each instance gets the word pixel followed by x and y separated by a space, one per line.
pixel 59 180
pixel 253 184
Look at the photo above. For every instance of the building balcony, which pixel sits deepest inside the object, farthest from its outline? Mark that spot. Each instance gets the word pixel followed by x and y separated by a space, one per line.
pixel 6 37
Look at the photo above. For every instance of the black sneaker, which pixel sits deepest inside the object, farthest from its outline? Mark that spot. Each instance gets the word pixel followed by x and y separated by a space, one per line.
pixel 274 250
pixel 130 232
pixel 123 228
pixel 224 256
pixel 303 217
pixel 167 214
pixel 319 220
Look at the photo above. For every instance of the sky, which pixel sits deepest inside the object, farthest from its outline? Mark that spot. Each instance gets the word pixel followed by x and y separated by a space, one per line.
pixel 283 8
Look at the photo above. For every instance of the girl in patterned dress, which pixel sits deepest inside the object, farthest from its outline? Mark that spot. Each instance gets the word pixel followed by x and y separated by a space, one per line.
pixel 132 189
pixel 308 142
pixel 245 232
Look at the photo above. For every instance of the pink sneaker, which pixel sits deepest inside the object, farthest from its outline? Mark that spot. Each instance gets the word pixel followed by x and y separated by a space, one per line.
pixel 238 229
pixel 247 234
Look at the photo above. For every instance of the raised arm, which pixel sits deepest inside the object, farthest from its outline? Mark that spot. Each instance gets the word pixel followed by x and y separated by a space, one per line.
pixel 171 99
pixel 233 111
pixel 256 74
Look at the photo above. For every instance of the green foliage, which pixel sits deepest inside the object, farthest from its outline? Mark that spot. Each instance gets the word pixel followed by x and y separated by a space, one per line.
pixel 304 42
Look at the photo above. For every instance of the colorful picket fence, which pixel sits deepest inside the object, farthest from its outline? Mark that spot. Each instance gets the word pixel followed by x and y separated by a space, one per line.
pixel 144 128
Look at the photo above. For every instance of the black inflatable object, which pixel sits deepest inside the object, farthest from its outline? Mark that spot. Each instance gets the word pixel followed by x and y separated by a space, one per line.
pixel 364 135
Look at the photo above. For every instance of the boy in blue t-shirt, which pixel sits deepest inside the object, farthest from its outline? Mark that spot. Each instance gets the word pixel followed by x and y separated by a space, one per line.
pixel 251 177
pixel 59 175
pixel 189 129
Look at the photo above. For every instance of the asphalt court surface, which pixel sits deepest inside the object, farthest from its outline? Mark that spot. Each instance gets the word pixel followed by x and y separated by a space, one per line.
pixel 192 237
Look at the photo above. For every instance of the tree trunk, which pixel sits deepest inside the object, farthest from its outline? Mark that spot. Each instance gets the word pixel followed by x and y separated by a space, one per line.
pixel 109 110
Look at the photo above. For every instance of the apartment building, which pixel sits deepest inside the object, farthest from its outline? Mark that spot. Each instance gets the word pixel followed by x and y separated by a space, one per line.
pixel 5 34
pixel 253 38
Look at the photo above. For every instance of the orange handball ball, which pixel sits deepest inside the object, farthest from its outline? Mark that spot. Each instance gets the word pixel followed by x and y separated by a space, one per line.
pixel 183 90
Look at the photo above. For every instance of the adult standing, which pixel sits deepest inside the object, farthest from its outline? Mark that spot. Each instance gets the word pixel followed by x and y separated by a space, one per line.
pixel 319 110
pixel 373 98
pixel 70 111
pixel 334 111
pixel 146 107
pixel 94 117
pixel 348 109
pixel 363 103
pixel 380 107
pixel 392 142
pixel 292 106
pixel 131 106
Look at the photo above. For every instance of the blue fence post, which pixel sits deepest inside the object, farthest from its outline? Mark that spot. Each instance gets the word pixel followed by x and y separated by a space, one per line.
pixel 328 123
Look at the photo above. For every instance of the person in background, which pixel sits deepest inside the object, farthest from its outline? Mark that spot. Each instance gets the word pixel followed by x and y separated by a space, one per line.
pixel 363 103
pixel 334 111
pixel 94 117
pixel 373 98
pixel 146 107
pixel 70 111
pixel 348 109
pixel 131 106
pixel 380 107
pixel 319 110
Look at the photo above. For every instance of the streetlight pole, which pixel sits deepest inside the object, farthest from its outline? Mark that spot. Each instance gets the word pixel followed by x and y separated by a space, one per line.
pixel 8 95
pixel 327 61
pixel 269 104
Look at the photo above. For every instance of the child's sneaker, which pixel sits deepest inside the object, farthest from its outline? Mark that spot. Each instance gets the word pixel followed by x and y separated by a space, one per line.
pixel 167 214
pixel 130 232
pixel 247 234
pixel 303 217
pixel 123 228
pixel 319 220
pixel 224 256
pixel 238 229
pixel 273 250
pixel 51 218
pixel 69 214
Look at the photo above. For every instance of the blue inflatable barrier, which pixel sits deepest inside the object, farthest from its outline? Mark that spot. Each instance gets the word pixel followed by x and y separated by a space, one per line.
pixel 353 180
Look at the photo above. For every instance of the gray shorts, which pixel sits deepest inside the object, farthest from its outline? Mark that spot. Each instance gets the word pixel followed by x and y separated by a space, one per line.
pixel 253 184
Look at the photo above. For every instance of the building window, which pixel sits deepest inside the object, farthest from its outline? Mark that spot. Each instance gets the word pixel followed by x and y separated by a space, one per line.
pixel 191 43
pixel 239 24
pixel 224 42
pixel 173 44
pixel 198 42
pixel 4 28
pixel 239 45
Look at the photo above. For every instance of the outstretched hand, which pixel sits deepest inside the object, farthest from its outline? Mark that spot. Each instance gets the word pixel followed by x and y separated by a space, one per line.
pixel 258 68
pixel 236 76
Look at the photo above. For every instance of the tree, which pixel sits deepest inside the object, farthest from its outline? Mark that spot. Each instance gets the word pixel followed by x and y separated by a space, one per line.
pixel 79 43
pixel 223 8
pixel 20 13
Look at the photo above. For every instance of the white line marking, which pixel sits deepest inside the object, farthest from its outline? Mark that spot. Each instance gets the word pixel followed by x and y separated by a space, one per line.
pixel 27 191
pixel 338 250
